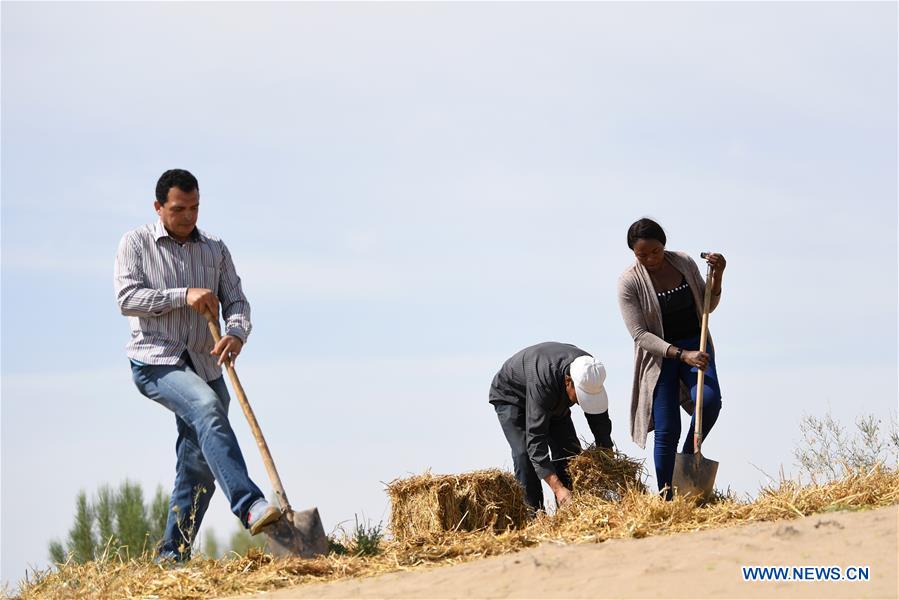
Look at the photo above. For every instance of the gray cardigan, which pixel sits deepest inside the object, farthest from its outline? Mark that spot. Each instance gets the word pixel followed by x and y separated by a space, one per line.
pixel 643 318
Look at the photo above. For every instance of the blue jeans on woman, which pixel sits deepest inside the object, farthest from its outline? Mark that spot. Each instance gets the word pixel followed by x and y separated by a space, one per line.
pixel 207 450
pixel 666 409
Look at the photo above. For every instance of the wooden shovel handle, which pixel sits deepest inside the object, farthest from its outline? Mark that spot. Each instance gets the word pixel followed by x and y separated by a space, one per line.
pixel 700 378
pixel 213 323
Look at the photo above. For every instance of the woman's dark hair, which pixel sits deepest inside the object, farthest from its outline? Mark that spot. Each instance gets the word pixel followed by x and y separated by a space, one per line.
pixel 178 178
pixel 644 229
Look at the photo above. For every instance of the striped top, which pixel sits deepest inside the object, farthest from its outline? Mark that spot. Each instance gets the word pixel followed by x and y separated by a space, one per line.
pixel 152 275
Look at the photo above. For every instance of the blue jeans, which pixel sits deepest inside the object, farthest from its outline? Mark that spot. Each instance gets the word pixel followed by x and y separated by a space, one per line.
pixel 207 450
pixel 666 408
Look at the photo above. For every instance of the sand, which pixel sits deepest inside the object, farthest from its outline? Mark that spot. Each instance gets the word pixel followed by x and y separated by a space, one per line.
pixel 703 564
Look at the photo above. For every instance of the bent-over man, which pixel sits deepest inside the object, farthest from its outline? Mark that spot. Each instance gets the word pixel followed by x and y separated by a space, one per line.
pixel 533 393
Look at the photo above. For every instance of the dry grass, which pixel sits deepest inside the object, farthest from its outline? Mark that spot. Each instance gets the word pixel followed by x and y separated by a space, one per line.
pixel 428 505
pixel 588 518
pixel 259 572
pixel 591 519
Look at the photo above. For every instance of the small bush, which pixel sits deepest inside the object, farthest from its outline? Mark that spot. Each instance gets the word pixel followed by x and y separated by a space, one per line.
pixel 828 452
pixel 335 546
pixel 367 539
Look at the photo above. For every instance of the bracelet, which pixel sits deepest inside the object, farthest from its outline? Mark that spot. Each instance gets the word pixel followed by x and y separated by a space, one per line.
pixel 680 352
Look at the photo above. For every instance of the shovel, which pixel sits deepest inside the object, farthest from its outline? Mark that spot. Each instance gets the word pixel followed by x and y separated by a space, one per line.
pixel 694 474
pixel 294 533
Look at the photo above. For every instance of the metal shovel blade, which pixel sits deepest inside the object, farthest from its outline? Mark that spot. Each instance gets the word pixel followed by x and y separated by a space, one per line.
pixel 694 474
pixel 297 534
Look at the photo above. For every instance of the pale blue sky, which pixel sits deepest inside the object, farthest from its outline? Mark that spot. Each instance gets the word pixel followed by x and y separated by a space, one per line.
pixel 412 193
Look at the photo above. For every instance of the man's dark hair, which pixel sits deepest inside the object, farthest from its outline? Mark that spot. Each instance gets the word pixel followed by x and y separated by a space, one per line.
pixel 178 178
pixel 645 229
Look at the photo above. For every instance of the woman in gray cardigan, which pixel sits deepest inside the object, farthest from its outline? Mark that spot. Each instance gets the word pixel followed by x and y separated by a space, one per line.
pixel 661 301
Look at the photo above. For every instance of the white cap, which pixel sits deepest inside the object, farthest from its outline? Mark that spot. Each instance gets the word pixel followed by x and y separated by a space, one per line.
pixel 588 376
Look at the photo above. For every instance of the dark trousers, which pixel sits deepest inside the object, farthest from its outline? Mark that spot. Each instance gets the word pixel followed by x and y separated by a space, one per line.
pixel 563 444
pixel 666 409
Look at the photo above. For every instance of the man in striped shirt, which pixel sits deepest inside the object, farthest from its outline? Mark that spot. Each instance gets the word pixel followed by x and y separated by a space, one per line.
pixel 167 276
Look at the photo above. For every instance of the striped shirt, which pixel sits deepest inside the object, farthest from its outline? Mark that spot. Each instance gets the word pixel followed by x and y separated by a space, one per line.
pixel 152 275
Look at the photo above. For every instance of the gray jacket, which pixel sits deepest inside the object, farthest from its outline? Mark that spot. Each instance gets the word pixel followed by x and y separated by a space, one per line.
pixel 643 319
pixel 534 380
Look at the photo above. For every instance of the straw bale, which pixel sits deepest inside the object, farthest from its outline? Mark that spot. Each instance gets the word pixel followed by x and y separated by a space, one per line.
pixel 605 473
pixel 428 504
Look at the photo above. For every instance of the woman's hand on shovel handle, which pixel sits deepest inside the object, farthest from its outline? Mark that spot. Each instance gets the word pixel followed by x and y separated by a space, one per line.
pixel 695 358
pixel 717 263
pixel 227 349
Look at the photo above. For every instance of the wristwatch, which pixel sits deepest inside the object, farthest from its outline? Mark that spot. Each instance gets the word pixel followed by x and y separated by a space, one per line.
pixel 680 352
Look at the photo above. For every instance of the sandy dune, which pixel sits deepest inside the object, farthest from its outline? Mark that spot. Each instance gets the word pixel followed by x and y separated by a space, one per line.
pixel 691 565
